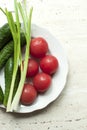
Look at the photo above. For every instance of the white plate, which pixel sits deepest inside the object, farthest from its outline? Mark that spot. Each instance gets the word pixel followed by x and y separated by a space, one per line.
pixel 58 80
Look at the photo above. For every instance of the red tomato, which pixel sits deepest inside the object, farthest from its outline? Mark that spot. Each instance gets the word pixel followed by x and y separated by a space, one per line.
pixel 38 47
pixel 32 68
pixel 29 94
pixel 42 82
pixel 49 64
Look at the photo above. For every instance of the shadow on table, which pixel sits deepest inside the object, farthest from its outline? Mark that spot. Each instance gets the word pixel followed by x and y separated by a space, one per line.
pixel 41 111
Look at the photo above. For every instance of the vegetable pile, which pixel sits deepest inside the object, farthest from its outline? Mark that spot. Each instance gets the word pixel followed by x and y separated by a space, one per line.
pixel 25 77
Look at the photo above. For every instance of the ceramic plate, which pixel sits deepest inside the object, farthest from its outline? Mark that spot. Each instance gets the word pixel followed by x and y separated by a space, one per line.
pixel 59 78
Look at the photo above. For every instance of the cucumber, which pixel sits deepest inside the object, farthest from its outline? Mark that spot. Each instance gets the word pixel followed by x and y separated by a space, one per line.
pixel 5 35
pixel 8 78
pixel 1 95
pixel 5 53
pixel 8 50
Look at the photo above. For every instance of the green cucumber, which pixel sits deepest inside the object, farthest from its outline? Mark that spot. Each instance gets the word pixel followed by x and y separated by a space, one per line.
pixel 5 35
pixel 1 95
pixel 8 78
pixel 5 53
pixel 8 50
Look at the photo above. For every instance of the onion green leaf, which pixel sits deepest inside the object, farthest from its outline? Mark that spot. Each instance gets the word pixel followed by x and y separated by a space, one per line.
pixel 27 27
pixel 15 28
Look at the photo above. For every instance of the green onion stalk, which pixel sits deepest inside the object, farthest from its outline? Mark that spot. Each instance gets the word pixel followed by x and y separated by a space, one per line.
pixel 15 28
pixel 27 26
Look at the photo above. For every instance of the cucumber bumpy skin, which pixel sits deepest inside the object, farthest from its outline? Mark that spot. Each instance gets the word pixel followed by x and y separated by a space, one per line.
pixel 8 78
pixel 1 95
pixel 8 50
pixel 5 35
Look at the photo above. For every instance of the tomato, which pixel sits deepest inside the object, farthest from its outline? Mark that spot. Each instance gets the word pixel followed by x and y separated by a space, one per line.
pixel 32 68
pixel 38 47
pixel 29 94
pixel 42 82
pixel 49 64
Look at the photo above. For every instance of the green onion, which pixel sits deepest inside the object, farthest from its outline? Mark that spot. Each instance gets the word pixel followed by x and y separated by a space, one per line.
pixel 12 105
pixel 27 27
pixel 15 29
pixel 2 11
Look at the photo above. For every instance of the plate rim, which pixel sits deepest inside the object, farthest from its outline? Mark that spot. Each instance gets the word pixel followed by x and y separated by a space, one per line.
pixel 64 82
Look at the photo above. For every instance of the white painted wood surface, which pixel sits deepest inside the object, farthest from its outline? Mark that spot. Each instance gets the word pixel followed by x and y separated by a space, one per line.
pixel 67 20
